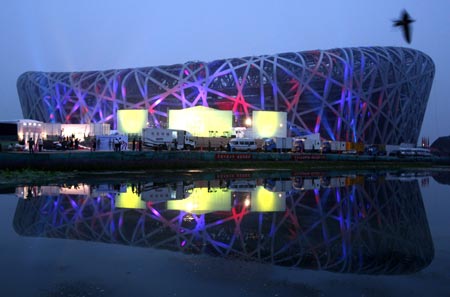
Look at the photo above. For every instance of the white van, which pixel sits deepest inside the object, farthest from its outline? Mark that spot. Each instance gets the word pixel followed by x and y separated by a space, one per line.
pixel 242 144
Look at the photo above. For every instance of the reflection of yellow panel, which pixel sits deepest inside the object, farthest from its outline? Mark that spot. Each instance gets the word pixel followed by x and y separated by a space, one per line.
pixel 200 120
pixel 131 120
pixel 269 124
pixel 201 201
pixel 355 180
pixel 265 201
pixel 129 200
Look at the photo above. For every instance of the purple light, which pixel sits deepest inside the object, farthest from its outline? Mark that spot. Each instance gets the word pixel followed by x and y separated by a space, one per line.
pixel 317 127
pixel 155 212
pixel 120 220
pixel 115 85
pixel 183 243
pixel 74 205
pixel 344 249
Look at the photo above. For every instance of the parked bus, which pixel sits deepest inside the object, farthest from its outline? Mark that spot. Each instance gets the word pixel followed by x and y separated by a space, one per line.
pixel 411 152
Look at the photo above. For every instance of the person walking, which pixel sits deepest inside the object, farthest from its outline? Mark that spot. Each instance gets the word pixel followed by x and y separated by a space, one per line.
pixel 134 144
pixel 116 144
pixel 93 144
pixel 31 145
pixel 140 144
pixel 40 144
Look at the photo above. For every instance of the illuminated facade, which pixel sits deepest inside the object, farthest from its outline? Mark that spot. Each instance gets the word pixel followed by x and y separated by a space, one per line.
pixel 367 94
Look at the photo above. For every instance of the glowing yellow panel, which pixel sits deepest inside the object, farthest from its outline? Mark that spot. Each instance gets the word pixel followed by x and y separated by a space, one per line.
pixel 201 201
pixel 266 201
pixel 201 121
pixel 131 120
pixel 269 124
pixel 130 200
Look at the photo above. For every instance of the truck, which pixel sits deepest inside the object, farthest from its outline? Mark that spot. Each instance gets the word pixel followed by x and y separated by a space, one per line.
pixel 307 143
pixel 162 138
pixel 335 147
pixel 278 144
pixel 375 150
pixel 110 142
pixel 356 147
pixel 341 147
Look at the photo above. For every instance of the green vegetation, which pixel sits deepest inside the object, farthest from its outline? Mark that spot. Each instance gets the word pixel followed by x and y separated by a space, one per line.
pixel 31 175
pixel 57 166
pixel 28 175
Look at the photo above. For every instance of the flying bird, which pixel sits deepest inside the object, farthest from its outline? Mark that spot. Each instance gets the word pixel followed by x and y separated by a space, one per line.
pixel 405 23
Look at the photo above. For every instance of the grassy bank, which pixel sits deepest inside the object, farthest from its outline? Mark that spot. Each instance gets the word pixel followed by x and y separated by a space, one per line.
pixel 208 171
pixel 52 164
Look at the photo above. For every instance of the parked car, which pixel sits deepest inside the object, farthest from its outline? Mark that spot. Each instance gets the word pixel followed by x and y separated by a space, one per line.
pixel 242 144
pixel 374 150
pixel 16 147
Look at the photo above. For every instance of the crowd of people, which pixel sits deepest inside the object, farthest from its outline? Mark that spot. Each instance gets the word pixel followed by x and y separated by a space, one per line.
pixel 69 143
pixel 33 145
pixel 116 144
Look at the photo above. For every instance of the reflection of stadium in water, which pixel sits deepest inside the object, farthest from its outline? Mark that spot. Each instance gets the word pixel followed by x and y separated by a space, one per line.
pixel 343 224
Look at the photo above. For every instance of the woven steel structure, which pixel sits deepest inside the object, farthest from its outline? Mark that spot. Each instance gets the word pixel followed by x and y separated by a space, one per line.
pixel 372 227
pixel 368 94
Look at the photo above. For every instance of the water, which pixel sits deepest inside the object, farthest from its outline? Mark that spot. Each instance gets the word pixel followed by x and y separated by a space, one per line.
pixel 237 233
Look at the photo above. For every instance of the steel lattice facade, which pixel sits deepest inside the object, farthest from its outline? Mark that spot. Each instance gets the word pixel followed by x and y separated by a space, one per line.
pixel 367 94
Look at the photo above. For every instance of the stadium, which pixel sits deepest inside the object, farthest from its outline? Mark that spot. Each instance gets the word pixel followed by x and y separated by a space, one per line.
pixel 364 94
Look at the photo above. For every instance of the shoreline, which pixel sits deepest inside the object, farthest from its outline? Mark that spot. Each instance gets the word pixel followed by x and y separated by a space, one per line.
pixel 190 160
pixel 59 166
